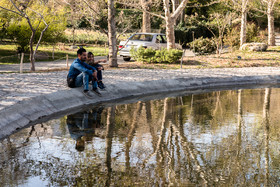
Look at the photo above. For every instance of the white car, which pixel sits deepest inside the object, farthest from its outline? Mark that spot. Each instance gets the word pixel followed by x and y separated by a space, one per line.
pixel 153 40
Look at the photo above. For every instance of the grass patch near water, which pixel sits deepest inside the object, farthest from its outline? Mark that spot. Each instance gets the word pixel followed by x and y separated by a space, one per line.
pixel 9 55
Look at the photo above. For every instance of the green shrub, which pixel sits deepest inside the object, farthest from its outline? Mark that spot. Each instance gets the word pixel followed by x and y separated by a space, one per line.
pixel 203 45
pixel 232 38
pixel 150 55
pixel 252 33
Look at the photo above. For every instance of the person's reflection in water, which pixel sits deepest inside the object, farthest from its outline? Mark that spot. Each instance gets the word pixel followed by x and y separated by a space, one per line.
pixel 82 126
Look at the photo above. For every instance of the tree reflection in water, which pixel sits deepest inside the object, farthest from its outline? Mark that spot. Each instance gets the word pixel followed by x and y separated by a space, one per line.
pixel 220 138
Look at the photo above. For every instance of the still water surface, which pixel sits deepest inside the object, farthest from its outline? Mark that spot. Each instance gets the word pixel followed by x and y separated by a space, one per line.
pixel 223 138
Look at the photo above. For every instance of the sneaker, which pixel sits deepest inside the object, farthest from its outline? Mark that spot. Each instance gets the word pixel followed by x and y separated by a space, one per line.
pixel 101 85
pixel 95 90
pixel 87 94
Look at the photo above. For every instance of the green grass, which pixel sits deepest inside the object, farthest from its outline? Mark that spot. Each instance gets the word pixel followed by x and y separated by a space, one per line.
pixel 8 53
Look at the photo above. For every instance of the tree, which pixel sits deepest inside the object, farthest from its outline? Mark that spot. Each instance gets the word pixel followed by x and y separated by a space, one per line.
pixel 113 61
pixel 244 10
pixel 241 6
pixel 219 22
pixel 270 5
pixel 170 19
pixel 171 13
pixel 146 21
pixel 35 15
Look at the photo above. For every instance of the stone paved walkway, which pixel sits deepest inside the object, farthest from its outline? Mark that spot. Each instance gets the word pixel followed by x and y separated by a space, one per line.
pixel 16 87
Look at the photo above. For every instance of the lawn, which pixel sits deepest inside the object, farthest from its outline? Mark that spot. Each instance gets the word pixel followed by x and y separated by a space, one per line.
pixel 9 55
pixel 237 59
pixel 271 57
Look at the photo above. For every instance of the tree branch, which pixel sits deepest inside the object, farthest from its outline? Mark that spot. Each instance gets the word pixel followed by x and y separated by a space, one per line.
pixel 179 9
pixel 11 11
pixel 140 9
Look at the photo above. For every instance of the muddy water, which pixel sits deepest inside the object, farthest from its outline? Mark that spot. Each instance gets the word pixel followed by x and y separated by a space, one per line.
pixel 225 138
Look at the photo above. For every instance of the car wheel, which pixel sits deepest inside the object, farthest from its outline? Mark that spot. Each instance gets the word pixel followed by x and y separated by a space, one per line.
pixel 126 59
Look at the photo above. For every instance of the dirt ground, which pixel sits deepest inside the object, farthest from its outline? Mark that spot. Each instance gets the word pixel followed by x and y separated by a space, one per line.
pixel 238 59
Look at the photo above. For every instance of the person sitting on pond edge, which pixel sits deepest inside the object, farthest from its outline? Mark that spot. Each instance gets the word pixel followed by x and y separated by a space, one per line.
pixel 80 74
pixel 98 67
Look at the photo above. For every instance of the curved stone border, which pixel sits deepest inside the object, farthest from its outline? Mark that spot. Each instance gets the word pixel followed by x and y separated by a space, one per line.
pixel 29 111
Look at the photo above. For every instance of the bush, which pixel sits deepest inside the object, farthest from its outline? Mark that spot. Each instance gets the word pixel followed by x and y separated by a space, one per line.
pixel 203 45
pixel 156 56
pixel 232 38
pixel 252 32
pixel 20 34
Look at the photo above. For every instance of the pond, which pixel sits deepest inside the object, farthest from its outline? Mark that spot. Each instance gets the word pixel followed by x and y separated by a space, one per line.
pixel 224 138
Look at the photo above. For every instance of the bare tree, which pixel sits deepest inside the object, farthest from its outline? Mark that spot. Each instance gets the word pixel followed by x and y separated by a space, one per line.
pixel 244 10
pixel 75 16
pixel 219 22
pixel 93 12
pixel 171 13
pixel 270 4
pixel 241 6
pixel 170 19
pixel 113 61
pixel 24 10
pixel 267 7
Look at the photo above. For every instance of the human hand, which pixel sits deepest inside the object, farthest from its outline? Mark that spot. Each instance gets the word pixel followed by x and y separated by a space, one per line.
pixel 102 60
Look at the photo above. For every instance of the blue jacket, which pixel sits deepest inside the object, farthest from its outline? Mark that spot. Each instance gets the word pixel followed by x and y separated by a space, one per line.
pixel 77 67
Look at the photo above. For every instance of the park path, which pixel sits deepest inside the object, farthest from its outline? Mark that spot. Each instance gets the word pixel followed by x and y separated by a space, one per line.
pixel 15 87
pixel 57 64
pixel 47 65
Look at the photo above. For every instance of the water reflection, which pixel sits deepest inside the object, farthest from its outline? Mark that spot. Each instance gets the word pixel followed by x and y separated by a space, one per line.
pixel 81 126
pixel 222 138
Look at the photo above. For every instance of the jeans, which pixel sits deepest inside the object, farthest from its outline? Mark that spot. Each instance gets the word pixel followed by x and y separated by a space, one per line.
pixel 84 79
pixel 99 75
pixel 99 72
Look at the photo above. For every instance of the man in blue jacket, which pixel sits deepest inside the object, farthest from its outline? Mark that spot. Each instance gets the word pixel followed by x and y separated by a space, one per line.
pixel 80 74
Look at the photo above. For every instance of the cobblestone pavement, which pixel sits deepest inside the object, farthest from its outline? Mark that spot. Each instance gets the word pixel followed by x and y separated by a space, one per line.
pixel 15 87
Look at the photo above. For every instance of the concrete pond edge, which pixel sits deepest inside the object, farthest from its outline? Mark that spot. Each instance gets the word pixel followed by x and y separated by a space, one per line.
pixel 30 111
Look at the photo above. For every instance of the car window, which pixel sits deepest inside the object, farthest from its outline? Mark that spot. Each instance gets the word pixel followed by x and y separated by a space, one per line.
pixel 164 40
pixel 158 39
pixel 142 37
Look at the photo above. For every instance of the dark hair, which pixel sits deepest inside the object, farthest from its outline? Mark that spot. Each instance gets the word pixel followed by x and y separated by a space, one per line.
pixel 89 54
pixel 81 51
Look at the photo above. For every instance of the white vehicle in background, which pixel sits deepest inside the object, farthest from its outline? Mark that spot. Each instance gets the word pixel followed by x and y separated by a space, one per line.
pixel 152 40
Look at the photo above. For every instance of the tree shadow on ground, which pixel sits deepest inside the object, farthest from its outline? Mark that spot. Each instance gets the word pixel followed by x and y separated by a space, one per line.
pixel 243 59
pixel 271 50
pixel 192 62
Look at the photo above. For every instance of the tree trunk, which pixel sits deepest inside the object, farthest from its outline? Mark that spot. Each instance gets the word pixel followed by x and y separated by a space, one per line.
pixel 170 36
pixel 146 22
pixel 40 38
pixel 182 17
pixel 32 58
pixel 112 34
pixel 170 20
pixel 178 20
pixel 270 19
pixel 243 27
